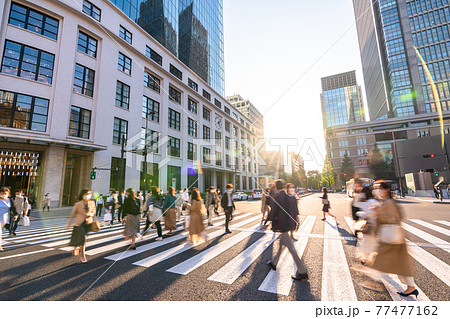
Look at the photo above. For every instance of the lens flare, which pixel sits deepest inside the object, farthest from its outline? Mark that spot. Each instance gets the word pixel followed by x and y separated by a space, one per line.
pixel 435 95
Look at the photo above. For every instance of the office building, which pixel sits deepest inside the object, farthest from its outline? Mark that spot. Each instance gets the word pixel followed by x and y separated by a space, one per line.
pixel 86 87
pixel 250 111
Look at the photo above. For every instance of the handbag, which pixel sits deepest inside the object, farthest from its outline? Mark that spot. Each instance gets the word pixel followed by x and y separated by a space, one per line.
pixel 187 220
pixel 26 221
pixel 325 201
pixel 94 226
pixel 107 217
pixel 391 234
pixel 156 213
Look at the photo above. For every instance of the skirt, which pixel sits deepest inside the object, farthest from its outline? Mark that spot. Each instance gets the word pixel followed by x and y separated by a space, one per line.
pixel 170 219
pixel 325 208
pixel 132 225
pixel 393 259
pixel 79 235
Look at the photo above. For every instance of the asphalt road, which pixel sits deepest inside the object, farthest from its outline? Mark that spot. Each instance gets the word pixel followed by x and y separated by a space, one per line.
pixel 37 265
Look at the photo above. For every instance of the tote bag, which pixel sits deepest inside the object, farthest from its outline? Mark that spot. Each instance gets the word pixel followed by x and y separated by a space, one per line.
pixel 391 234
pixel 26 221
pixel 107 217
pixel 156 213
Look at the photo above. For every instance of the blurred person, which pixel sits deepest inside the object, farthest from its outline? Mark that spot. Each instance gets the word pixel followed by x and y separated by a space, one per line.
pixel 130 216
pixel 179 203
pixel 83 212
pixel 266 202
pixel 197 210
pixel 228 206
pixel 170 214
pixel 121 200
pixel 154 208
pixel 354 207
pixel 290 190
pixel 100 202
pixel 284 217
pixel 326 204
pixel 8 212
pixel 46 202
pixel 112 206
pixel 21 204
pixel 211 201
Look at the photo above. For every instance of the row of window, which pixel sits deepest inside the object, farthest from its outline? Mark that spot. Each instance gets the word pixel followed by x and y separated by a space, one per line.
pixel 433 35
pixel 419 6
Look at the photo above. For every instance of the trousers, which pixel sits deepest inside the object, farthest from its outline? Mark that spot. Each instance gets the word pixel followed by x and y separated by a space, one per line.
pixel 228 214
pixel 285 241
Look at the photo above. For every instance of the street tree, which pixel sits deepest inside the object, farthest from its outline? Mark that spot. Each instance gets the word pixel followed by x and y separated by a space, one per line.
pixel 328 174
pixel 381 167
pixel 347 168
pixel 314 179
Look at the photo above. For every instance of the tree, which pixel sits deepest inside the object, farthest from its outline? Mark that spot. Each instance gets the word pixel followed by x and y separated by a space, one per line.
pixel 380 167
pixel 347 168
pixel 328 175
pixel 314 179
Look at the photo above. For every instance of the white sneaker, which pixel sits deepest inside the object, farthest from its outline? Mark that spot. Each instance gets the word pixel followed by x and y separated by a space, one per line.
pixel 140 236
pixel 159 239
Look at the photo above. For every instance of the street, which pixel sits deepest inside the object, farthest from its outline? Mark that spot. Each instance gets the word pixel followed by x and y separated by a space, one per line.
pixel 37 264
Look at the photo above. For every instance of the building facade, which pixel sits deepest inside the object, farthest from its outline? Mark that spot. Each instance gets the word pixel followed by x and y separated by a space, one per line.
pixel 250 111
pixel 86 87
pixel 192 30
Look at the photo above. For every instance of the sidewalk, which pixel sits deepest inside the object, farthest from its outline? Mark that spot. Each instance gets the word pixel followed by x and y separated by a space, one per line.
pixel 428 199
pixel 37 214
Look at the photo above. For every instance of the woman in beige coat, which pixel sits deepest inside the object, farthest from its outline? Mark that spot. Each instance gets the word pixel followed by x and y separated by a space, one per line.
pixel 392 254
pixel 83 212
pixel 197 211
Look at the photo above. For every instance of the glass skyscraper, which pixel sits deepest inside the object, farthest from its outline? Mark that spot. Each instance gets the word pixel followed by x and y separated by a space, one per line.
pixel 190 29
pixel 388 30
pixel 341 100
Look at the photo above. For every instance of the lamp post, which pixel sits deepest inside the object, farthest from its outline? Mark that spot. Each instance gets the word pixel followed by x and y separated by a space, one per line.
pixel 396 163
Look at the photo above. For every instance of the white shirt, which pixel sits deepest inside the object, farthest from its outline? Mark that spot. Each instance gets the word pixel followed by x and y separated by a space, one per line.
pixel 230 203
pixel 185 196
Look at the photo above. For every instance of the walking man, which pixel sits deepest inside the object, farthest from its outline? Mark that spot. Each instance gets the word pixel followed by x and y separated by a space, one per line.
pixel 99 203
pixel 284 216
pixel 121 201
pixel 228 206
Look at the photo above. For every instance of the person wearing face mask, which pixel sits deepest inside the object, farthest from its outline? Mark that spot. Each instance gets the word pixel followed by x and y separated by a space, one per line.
pixel 130 217
pixel 100 203
pixel 8 212
pixel 121 200
pixel 290 188
pixel 179 203
pixel 111 206
pixel 83 213
pixel 326 204
pixel 211 201
pixel 227 204
pixel 46 202
pixel 21 204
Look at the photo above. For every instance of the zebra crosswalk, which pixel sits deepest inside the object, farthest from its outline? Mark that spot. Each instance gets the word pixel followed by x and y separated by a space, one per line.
pixel 428 244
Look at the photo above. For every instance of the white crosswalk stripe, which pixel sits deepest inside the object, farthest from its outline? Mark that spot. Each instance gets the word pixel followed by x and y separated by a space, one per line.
pixel 438 229
pixel 426 236
pixel 443 222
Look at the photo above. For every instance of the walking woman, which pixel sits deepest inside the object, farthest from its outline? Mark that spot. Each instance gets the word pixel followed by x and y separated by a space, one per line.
pixel 46 202
pixel 154 209
pixel 197 232
pixel 21 204
pixel 170 212
pixel 83 212
pixel 326 204
pixel 130 216
pixel 8 212
pixel 392 254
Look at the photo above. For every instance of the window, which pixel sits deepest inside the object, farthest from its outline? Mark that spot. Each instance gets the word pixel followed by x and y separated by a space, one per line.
pixel 227 110
pixel 227 161
pixel 150 109
pixel 92 10
pixel 34 21
pixel 363 151
pixel 23 111
pixel 152 82
pixel 192 127
pixel 227 126
pixel 124 63
pixel 236 163
pixel 206 95
pixel 192 152
pixel 173 148
pixel 235 131
pixel 153 55
pixel 174 119
pixel 218 138
pixel 27 62
pixel 122 95
pixel 217 103
pixel 235 116
pixel 80 122
pixel 174 95
pixel 176 72
pixel 206 133
pixel 87 44
pixel 192 106
pixel 343 143
pixel 193 85
pixel 423 133
pixel 206 155
pixel 218 159
pixel 120 130
pixel 206 114
pixel 242 149
pixel 227 142
pixel 116 181
pixel 361 141
pixel 83 82
pixel 343 152
pixel 152 140
pixel 125 34
pixel 242 122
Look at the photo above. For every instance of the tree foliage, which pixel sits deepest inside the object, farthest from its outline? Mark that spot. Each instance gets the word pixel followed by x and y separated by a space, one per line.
pixel 380 167
pixel 347 168
pixel 328 175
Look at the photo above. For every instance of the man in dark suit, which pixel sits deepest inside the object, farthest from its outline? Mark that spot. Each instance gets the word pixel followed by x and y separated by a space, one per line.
pixel 228 205
pixel 120 202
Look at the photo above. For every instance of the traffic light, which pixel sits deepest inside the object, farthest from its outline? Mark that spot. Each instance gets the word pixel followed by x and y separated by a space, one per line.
pixel 93 175
pixel 428 156
pixel 436 173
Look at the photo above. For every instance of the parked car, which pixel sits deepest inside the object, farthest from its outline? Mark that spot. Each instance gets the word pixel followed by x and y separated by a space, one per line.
pixel 240 196
pixel 257 194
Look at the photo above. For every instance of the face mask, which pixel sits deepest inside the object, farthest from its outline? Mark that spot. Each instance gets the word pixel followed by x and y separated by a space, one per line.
pixel 213 191
pixel 376 192
pixel 3 196
pixel 87 197
pixel 291 191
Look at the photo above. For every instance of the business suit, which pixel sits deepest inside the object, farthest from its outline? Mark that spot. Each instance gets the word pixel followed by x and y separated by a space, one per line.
pixel 227 204
pixel 121 199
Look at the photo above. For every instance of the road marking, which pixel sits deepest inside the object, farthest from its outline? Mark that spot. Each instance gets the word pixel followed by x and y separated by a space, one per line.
pixel 438 229
pixel 393 284
pixel 443 222
pixel 24 254
pixel 350 222
pixel 196 261
pixel 436 266
pixel 280 281
pixel 337 284
pixel 425 236
pixel 233 269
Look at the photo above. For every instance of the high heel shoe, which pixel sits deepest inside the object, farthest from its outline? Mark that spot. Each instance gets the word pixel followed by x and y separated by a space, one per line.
pixel 415 292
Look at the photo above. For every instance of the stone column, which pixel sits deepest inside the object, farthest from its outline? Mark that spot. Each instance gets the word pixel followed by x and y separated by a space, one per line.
pixel 55 162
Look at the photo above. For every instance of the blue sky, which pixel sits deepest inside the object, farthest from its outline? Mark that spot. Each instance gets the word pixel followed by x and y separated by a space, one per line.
pixel 269 45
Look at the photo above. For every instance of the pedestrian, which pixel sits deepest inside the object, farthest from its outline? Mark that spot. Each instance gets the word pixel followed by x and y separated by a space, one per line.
pixel 357 189
pixel 367 243
pixel 154 208
pixel 130 216
pixel 140 197
pixel 179 203
pixel 228 206
pixel 83 212
pixel 197 210
pixel 21 204
pixel 209 203
pixel 185 198
pixel 112 206
pixel 392 256
pixel 121 200
pixel 326 204
pixel 170 213
pixel 46 202
pixel 99 203
pixel 290 190
pixel 216 208
pixel 8 212
pixel 284 216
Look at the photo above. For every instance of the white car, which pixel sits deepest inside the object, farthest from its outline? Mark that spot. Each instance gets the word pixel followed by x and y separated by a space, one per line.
pixel 240 196
pixel 257 194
